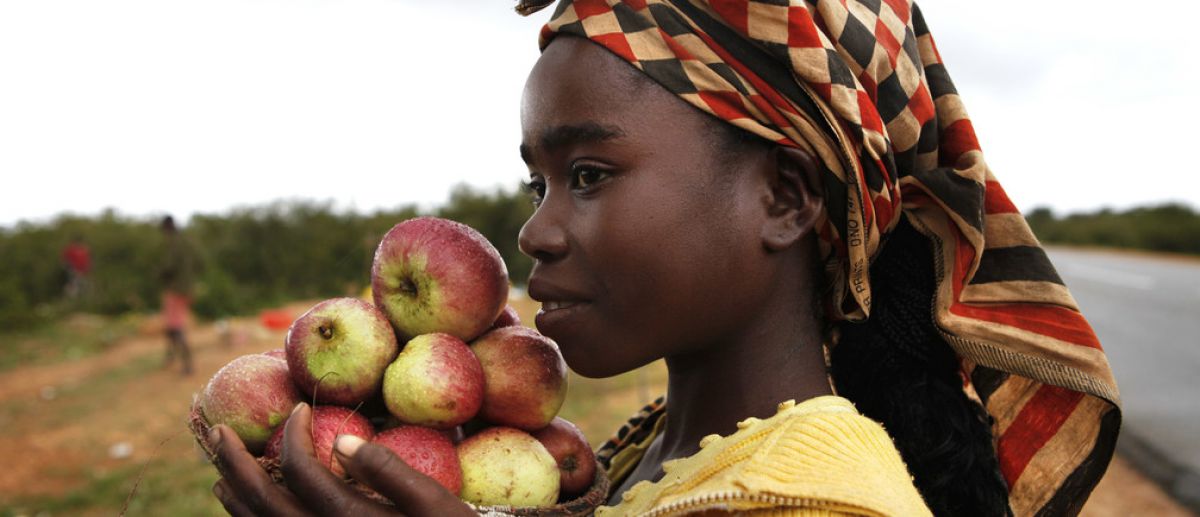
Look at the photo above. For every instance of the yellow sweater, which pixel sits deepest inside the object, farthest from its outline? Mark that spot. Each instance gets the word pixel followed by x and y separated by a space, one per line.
pixel 812 459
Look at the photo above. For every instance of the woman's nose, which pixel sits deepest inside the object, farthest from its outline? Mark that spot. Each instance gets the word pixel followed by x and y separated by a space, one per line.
pixel 543 237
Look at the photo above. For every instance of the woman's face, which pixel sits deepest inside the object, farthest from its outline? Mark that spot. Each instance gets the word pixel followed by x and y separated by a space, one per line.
pixel 646 235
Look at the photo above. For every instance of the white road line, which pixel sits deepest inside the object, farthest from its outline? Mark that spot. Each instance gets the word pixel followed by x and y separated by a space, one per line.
pixel 1107 276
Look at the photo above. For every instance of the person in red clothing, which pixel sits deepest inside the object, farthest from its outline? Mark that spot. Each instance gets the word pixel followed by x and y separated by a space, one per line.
pixel 177 275
pixel 77 260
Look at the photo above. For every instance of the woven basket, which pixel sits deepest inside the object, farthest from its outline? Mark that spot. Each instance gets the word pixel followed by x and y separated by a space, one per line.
pixel 580 506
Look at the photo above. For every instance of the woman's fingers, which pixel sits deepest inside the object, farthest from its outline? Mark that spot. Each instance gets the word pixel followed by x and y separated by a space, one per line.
pixel 232 505
pixel 321 491
pixel 245 488
pixel 377 467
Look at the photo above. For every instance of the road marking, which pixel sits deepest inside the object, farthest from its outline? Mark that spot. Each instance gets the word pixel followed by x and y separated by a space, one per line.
pixel 1108 276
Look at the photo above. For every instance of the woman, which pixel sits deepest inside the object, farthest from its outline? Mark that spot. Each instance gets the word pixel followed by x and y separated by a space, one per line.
pixel 732 203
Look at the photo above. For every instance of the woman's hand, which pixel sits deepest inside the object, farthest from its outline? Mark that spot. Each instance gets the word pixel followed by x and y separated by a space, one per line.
pixel 246 489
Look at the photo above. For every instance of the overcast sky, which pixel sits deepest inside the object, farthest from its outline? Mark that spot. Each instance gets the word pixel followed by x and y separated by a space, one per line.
pixel 185 106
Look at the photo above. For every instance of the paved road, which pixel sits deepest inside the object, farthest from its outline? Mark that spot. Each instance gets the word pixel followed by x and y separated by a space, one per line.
pixel 1146 311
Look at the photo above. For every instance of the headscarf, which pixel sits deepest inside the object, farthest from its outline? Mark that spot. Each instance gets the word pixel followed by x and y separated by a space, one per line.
pixel 860 85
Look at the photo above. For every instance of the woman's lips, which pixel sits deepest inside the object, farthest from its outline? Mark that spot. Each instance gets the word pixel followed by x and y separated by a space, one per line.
pixel 555 317
pixel 554 306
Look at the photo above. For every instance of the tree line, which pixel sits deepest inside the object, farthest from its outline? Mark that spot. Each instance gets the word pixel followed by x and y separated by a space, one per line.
pixel 1168 227
pixel 260 256
pixel 249 258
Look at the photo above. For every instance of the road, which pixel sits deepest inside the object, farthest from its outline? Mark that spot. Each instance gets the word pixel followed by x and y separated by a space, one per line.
pixel 1146 311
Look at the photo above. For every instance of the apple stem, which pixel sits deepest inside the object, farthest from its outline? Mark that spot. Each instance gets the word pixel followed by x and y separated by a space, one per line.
pixel 408 287
pixel 326 331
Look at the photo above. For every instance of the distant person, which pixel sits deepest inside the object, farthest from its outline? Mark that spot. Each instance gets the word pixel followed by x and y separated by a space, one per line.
pixel 77 261
pixel 177 275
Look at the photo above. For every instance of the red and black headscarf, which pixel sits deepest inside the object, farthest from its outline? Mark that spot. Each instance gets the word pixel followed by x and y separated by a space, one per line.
pixel 860 84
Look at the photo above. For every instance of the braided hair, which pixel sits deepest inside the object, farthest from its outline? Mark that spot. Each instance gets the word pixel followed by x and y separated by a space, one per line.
pixel 899 371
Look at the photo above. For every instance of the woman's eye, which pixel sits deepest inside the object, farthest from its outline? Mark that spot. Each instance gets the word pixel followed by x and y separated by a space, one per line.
pixel 536 190
pixel 587 177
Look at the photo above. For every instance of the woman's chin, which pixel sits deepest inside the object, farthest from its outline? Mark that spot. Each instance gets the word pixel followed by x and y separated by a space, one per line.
pixel 587 364
pixel 598 362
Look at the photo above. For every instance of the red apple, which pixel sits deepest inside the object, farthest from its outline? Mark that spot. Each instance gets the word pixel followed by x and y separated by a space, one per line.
pixel 436 275
pixel 277 353
pixel 274 445
pixel 435 381
pixel 253 395
pixel 506 466
pixel 525 377
pixel 576 461
pixel 338 350
pixel 427 451
pixel 328 422
pixel 508 318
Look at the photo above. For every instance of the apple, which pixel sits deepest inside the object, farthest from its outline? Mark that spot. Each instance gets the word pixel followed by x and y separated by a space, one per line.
pixel 435 381
pixel 328 422
pixel 507 318
pixel 253 395
pixel 427 451
pixel 525 377
pixel 338 350
pixel 506 466
pixel 576 461
pixel 436 275
pixel 277 353
pixel 274 444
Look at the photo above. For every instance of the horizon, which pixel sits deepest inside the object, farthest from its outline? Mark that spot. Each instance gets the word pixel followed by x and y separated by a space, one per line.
pixel 427 208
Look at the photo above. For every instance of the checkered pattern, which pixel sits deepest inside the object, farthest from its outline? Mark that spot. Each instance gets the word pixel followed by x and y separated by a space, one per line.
pixel 862 86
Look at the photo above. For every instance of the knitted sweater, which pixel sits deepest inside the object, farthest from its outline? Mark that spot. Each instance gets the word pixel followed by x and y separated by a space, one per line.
pixel 816 458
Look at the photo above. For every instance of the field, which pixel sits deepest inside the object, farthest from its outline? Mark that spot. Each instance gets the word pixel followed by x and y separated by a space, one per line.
pixel 87 411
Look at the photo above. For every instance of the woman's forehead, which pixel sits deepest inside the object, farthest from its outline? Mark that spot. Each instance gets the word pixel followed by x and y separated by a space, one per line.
pixel 579 88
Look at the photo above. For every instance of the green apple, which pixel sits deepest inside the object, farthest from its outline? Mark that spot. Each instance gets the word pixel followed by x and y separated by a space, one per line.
pixel 435 381
pixel 338 350
pixel 502 466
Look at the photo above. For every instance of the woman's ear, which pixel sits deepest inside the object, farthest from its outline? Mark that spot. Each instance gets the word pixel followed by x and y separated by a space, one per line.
pixel 795 203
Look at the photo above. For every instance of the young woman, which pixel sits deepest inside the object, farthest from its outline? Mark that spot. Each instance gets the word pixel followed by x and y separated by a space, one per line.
pixel 787 204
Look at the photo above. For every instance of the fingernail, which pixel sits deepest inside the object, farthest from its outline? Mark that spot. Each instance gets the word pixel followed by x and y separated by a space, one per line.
pixel 297 408
pixel 219 491
pixel 347 444
pixel 214 437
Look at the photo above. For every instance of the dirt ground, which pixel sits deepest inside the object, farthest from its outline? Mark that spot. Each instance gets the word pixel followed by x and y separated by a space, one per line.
pixel 66 428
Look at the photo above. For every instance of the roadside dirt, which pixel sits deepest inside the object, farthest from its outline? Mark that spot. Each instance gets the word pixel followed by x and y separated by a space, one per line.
pixel 67 423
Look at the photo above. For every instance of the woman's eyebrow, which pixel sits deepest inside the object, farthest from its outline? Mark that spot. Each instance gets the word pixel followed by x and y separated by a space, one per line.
pixel 571 134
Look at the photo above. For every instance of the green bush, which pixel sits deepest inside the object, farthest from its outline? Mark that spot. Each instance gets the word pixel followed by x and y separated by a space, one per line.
pixel 1171 227
pixel 250 257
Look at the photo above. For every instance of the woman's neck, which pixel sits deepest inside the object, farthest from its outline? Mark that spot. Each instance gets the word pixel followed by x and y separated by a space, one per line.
pixel 779 357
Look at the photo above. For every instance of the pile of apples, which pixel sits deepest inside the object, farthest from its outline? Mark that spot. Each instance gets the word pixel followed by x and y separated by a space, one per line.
pixel 470 399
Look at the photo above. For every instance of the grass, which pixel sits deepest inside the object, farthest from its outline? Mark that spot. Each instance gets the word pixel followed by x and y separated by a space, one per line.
pixel 169 487
pixel 80 336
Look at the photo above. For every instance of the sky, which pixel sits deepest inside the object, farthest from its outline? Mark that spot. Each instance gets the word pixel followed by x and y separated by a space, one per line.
pixel 197 106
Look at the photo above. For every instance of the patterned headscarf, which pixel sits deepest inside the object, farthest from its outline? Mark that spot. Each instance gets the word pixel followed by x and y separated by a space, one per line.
pixel 860 85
